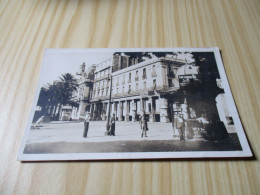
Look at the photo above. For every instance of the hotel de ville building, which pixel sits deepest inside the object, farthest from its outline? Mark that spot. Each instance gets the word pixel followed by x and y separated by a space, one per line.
pixel 134 83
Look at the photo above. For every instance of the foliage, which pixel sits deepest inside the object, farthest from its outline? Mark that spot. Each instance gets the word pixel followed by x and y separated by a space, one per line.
pixel 58 93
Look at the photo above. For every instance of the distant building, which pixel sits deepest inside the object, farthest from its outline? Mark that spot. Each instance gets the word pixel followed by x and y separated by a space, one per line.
pixel 82 96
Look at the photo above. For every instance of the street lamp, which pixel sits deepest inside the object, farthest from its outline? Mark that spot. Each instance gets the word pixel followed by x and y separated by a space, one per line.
pixel 109 102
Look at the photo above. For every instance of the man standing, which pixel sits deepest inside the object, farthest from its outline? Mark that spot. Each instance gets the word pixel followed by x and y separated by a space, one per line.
pixel 112 125
pixel 144 125
pixel 180 126
pixel 86 125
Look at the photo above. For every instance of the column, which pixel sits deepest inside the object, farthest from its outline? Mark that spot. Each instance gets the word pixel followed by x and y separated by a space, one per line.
pixel 141 105
pixel 152 113
pixel 103 112
pixel 99 112
pixel 95 112
pixel 164 110
pixel 134 110
pixel 127 111
pixel 114 109
pixel 91 110
pixel 120 111
pixel 107 104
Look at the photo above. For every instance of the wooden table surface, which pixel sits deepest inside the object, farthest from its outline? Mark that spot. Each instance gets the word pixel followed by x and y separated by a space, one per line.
pixel 28 27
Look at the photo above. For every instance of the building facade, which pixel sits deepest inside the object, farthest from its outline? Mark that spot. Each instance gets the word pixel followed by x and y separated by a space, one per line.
pixel 83 94
pixel 135 84
pixel 128 85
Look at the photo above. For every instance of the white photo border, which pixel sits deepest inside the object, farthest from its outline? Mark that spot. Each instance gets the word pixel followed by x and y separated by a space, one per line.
pixel 246 151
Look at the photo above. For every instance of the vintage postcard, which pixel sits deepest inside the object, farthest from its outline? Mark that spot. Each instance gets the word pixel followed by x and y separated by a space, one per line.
pixel 145 103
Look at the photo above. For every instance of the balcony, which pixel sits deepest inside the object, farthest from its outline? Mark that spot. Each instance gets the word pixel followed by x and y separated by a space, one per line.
pixel 144 77
pixel 136 78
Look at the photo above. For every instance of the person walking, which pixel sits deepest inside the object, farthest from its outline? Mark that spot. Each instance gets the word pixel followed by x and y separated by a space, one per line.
pixel 144 125
pixel 112 125
pixel 86 124
pixel 180 126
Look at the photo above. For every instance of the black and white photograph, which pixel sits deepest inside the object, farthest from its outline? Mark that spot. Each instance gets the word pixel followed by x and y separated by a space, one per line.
pixel 142 103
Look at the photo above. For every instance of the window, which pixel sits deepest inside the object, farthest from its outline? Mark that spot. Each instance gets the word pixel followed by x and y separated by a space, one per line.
pixel 170 71
pixel 129 80
pixel 154 71
pixel 144 73
pixel 129 89
pixel 136 76
pixel 154 83
pixel 170 83
pixel 123 79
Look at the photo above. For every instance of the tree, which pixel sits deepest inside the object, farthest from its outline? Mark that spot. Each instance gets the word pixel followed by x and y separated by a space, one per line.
pixel 54 95
pixel 207 91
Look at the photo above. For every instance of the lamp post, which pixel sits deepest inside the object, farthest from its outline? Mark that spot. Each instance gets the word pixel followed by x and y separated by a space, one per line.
pixel 109 102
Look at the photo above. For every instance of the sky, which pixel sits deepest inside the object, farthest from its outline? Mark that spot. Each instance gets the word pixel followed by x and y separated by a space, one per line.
pixel 60 61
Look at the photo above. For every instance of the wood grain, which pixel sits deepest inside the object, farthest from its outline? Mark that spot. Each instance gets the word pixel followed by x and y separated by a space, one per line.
pixel 28 27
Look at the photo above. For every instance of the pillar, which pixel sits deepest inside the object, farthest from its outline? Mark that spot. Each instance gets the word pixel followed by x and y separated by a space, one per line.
pixel 142 105
pixel 120 111
pixel 114 109
pixel 134 110
pixel 152 113
pixel 107 104
pixel 95 112
pixel 103 112
pixel 127 111
pixel 91 110
pixel 164 110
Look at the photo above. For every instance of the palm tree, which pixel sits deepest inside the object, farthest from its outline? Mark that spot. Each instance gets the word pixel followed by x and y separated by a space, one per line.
pixel 67 85
pixel 54 95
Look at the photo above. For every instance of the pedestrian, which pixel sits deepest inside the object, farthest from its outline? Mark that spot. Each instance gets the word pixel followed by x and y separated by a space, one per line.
pixel 112 125
pixel 144 125
pixel 86 124
pixel 180 126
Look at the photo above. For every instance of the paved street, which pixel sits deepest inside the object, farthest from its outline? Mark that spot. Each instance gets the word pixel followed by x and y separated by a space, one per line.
pixel 60 137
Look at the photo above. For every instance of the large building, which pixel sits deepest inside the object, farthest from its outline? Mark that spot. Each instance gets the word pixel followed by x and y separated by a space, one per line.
pixel 137 81
pixel 84 92
pixel 132 83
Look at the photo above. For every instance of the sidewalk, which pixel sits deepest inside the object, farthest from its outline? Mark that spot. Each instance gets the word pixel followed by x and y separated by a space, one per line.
pixel 125 131
pixel 67 138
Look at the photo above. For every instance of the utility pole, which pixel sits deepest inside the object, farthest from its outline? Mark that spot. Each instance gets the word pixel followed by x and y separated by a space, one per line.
pixel 109 102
